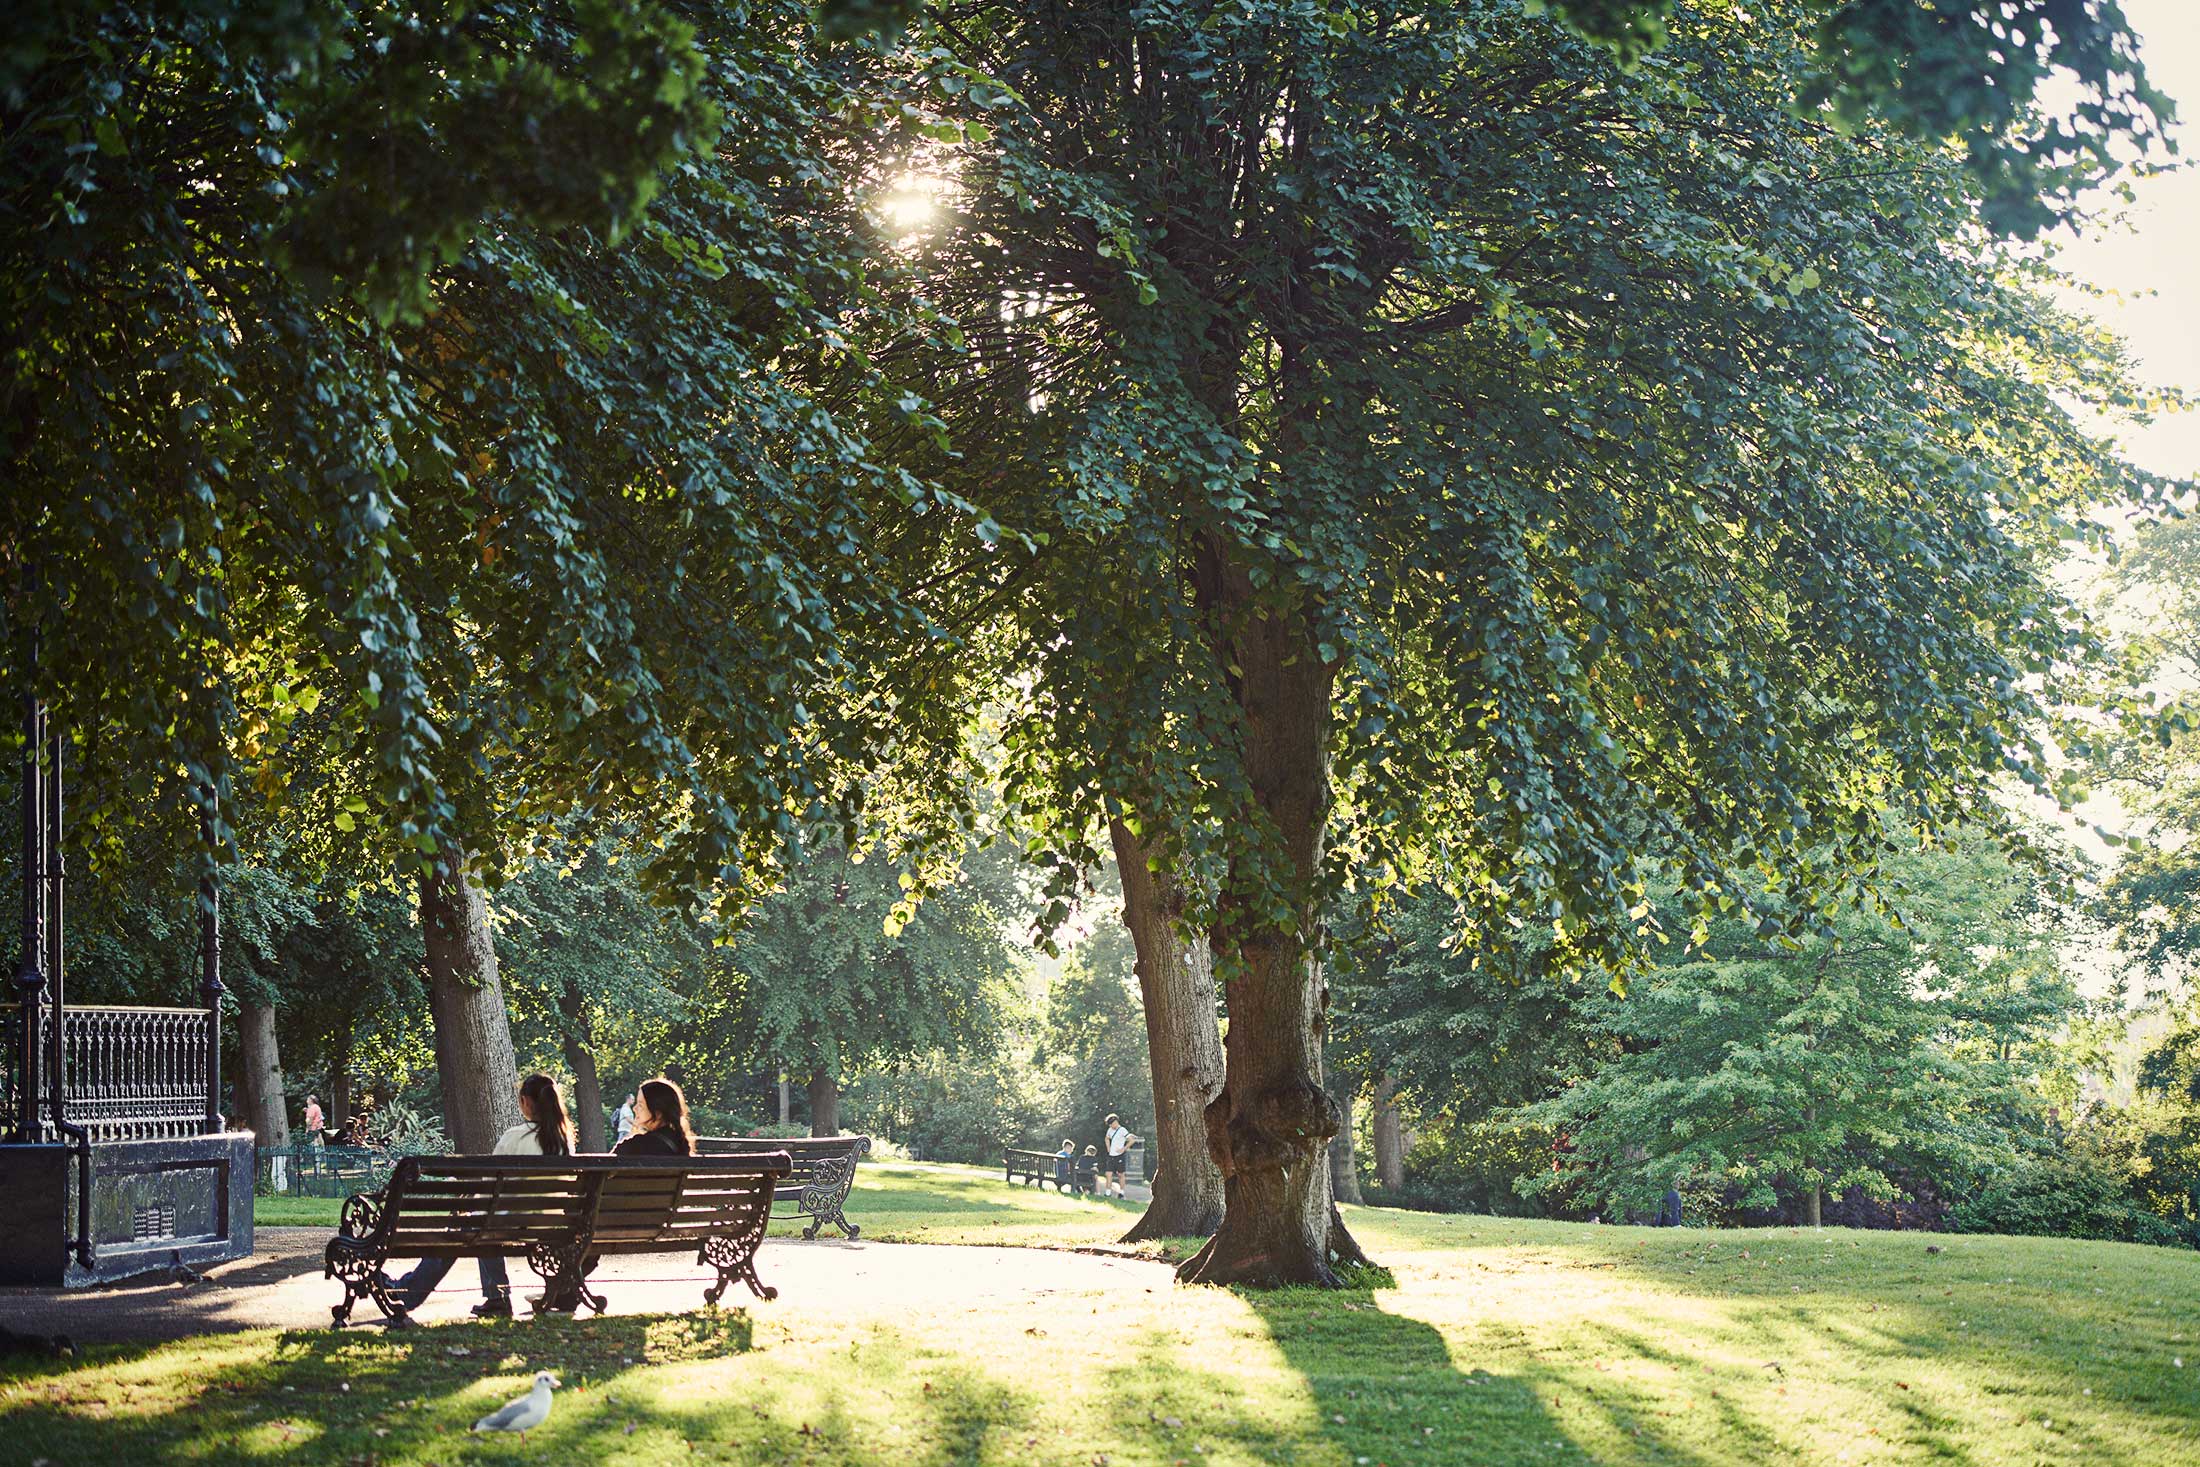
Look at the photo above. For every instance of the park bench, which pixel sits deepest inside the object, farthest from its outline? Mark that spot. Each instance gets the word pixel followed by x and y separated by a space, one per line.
pixel 822 1169
pixel 1037 1168
pixel 560 1214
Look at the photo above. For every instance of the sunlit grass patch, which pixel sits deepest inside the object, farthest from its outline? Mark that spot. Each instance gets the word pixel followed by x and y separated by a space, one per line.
pixel 1500 1341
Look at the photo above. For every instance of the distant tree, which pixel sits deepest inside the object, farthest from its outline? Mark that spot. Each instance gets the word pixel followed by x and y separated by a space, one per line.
pixel 2151 761
pixel 1899 1039
pixel 588 957
pixel 2168 1151
pixel 1447 1027
pixel 1095 1030
pixel 834 974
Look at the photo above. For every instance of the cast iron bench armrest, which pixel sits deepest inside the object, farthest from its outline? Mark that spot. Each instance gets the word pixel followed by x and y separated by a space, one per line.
pixel 822 1170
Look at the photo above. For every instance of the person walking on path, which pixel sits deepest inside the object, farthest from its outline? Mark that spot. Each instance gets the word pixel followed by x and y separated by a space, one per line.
pixel 661 1125
pixel 544 1132
pixel 315 1121
pixel 623 1123
pixel 1119 1141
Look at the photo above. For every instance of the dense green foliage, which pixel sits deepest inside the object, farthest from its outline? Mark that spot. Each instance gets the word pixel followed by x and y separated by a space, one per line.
pixel 1953 68
pixel 484 465
pixel 1899 1042
pixel 1624 455
pixel 823 979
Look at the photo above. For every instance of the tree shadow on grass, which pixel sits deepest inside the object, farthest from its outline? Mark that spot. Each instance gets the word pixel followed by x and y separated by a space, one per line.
pixel 1359 1383
pixel 1390 1388
pixel 1945 1342
pixel 325 1396
pixel 329 1395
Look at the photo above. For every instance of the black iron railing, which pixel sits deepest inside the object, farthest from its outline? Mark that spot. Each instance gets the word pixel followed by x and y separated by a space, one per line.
pixel 321 1171
pixel 130 1073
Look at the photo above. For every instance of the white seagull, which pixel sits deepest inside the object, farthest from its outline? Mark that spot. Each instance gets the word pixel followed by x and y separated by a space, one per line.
pixel 526 1413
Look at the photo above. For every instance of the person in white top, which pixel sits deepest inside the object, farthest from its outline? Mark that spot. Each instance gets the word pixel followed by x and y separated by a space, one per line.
pixel 625 1117
pixel 1119 1141
pixel 544 1131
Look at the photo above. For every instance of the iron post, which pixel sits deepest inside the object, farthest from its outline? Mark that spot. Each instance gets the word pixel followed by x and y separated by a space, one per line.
pixel 30 977
pixel 210 961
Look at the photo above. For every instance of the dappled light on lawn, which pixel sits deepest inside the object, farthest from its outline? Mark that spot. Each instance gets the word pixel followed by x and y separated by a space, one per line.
pixel 1501 1341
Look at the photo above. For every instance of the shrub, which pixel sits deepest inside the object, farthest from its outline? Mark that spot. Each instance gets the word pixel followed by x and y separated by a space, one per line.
pixel 2072 1194
pixel 1455 1166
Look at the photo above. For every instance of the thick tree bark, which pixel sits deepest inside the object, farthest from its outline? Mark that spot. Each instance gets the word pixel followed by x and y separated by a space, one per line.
pixel 1817 1206
pixel 1344 1160
pixel 824 1104
pixel 261 1062
pixel 588 1120
pixel 339 1086
pixel 1176 980
pixel 1269 1128
pixel 473 1033
pixel 1390 1141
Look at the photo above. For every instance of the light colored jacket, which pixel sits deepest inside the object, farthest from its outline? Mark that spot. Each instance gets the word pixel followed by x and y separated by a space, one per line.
pixel 519 1140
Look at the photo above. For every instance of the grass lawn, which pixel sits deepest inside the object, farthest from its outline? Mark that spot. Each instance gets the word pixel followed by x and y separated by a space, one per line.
pixel 1500 1342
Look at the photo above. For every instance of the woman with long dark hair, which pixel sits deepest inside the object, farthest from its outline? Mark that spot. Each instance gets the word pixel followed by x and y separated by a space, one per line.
pixel 661 1128
pixel 543 1130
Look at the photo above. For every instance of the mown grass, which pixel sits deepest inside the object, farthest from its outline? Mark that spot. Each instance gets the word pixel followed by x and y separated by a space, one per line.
pixel 1502 1341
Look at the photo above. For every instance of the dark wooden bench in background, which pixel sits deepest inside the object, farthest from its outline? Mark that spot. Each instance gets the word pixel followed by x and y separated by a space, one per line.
pixel 1038 1168
pixel 560 1214
pixel 823 1169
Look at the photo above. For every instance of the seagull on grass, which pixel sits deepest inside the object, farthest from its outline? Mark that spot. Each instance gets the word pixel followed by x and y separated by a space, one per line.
pixel 524 1414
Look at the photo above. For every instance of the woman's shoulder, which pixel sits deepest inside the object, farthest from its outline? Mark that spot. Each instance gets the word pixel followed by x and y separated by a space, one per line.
pixel 519 1140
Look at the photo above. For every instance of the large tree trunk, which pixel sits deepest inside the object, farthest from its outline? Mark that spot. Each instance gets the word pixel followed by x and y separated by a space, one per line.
pixel 1390 1141
pixel 473 1033
pixel 577 1039
pixel 1176 980
pixel 339 1086
pixel 824 1104
pixel 1271 1124
pixel 786 1099
pixel 1344 1160
pixel 262 1080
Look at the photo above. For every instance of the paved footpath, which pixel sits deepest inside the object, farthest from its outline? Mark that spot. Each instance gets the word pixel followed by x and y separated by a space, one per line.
pixel 281 1286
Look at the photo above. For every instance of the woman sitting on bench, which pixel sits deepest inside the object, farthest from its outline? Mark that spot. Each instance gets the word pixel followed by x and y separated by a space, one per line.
pixel 544 1131
pixel 661 1126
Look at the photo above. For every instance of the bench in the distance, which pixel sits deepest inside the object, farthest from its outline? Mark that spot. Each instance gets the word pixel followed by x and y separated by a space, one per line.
pixel 1038 1168
pixel 560 1214
pixel 823 1168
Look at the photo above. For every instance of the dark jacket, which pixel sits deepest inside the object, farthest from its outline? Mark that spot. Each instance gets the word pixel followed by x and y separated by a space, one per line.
pixel 660 1142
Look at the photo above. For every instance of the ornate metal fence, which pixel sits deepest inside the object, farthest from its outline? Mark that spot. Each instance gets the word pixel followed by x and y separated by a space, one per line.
pixel 130 1073
pixel 321 1171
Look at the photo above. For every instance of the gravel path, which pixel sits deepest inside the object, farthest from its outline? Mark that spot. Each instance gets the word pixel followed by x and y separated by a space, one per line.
pixel 281 1287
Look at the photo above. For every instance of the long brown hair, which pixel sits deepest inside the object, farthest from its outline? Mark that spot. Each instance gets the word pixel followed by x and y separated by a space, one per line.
pixel 553 1132
pixel 668 1110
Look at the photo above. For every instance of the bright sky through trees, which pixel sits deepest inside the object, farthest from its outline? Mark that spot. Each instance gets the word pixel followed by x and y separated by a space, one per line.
pixel 2147 263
